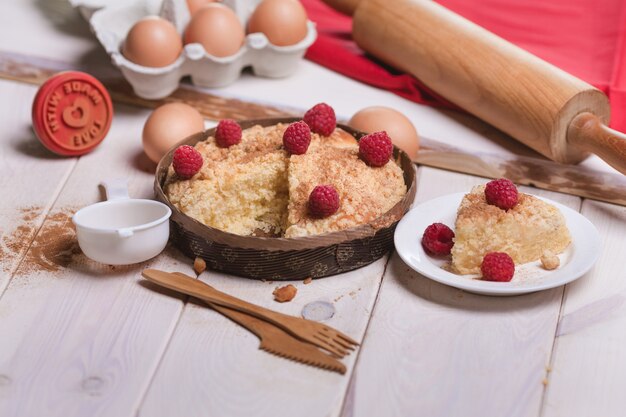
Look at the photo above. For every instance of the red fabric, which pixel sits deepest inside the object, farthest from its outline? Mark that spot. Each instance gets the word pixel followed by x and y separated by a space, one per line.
pixel 586 38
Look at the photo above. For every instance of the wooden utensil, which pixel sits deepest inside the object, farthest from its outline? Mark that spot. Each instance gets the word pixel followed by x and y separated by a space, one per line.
pixel 577 180
pixel 278 342
pixel 553 112
pixel 313 332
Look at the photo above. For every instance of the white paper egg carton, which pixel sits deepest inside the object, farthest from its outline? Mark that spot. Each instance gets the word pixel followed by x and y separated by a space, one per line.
pixel 111 21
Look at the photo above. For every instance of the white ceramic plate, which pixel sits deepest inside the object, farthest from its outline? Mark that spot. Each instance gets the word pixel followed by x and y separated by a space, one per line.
pixel 577 259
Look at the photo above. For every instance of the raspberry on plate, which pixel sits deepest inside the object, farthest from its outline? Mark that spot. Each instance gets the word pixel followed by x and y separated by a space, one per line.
pixel 187 161
pixel 321 119
pixel 501 193
pixel 323 201
pixel 227 133
pixel 376 148
pixel 497 266
pixel 297 138
pixel 438 239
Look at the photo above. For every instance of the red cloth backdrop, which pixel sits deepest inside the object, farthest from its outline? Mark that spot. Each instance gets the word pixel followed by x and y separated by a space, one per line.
pixel 586 38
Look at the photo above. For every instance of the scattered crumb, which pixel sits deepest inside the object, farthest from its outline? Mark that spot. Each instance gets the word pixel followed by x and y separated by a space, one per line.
pixel 447 266
pixel 338 298
pixel 549 260
pixel 545 381
pixel 307 281
pixel 199 265
pixel 285 294
pixel 548 368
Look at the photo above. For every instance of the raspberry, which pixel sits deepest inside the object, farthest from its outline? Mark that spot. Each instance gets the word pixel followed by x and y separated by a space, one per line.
pixel 297 138
pixel 321 119
pixel 323 201
pixel 375 149
pixel 437 239
pixel 497 266
pixel 501 193
pixel 187 161
pixel 227 133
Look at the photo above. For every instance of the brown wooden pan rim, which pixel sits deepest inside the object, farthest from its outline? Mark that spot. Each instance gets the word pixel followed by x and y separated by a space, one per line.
pixel 279 243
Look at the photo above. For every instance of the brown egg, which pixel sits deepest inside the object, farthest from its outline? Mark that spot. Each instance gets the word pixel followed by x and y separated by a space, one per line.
pixel 152 42
pixel 194 5
pixel 217 28
pixel 168 125
pixel 282 21
pixel 397 126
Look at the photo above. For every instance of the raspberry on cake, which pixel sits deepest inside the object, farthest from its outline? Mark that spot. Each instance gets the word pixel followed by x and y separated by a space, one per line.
pixel 524 231
pixel 227 133
pixel 321 119
pixel 323 201
pixel 186 161
pixel 297 138
pixel 376 149
pixel 501 193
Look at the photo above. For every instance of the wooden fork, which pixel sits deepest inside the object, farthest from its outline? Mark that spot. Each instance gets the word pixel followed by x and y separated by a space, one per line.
pixel 310 331
pixel 278 342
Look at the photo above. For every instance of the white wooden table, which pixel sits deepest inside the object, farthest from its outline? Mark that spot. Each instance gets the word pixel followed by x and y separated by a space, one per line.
pixel 90 340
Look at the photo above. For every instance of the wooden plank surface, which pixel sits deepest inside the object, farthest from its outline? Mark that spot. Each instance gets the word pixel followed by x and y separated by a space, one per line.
pixel 80 338
pixel 30 178
pixel 589 364
pixel 209 356
pixel 433 350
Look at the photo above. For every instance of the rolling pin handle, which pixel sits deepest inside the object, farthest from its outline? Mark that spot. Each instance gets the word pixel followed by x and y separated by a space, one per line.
pixel 588 133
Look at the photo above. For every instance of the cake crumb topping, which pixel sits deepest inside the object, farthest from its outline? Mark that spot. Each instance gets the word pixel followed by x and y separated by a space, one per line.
pixel 256 188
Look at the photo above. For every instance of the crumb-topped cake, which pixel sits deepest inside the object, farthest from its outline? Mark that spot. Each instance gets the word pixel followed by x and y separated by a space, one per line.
pixel 524 231
pixel 262 185
pixel 365 192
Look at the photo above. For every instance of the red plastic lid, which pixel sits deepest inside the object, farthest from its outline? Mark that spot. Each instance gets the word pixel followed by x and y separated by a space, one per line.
pixel 72 113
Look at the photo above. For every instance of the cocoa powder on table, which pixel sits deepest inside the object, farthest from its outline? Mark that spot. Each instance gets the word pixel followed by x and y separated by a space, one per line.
pixel 53 248
pixel 55 245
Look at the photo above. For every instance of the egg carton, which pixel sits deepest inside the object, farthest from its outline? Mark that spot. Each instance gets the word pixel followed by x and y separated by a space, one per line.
pixel 111 21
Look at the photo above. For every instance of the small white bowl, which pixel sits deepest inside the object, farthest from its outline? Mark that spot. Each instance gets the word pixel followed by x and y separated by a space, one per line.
pixel 121 230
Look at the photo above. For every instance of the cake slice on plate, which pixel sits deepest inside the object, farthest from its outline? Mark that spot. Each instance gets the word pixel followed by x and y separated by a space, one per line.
pixel 524 231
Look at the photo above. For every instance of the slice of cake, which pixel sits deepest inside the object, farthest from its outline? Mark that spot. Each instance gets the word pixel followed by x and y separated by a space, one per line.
pixel 241 189
pixel 524 231
pixel 365 193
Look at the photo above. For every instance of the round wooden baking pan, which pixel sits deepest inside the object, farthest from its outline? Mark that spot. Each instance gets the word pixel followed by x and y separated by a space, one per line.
pixel 285 258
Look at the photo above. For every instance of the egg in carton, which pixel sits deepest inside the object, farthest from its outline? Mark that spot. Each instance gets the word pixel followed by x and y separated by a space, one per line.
pixel 111 24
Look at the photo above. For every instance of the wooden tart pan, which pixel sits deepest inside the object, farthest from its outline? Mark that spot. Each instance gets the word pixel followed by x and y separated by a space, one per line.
pixel 278 259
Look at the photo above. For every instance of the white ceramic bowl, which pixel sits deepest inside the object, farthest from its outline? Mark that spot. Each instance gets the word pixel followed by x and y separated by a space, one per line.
pixel 121 230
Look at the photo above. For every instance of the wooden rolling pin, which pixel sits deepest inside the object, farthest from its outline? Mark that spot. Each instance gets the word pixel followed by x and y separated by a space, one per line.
pixel 549 110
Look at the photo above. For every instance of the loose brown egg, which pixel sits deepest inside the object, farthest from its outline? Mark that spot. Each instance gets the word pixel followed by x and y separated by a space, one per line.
pixel 282 21
pixel 194 5
pixel 152 42
pixel 397 126
pixel 168 125
pixel 217 28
